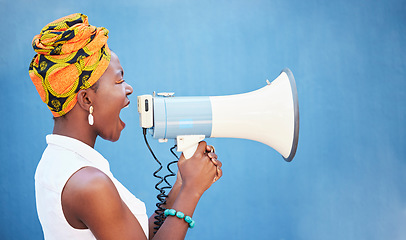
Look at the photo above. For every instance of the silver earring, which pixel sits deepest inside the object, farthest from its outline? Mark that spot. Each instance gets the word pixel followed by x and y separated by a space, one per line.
pixel 90 117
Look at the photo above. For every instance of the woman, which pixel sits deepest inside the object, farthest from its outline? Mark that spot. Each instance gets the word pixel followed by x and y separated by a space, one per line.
pixel 81 81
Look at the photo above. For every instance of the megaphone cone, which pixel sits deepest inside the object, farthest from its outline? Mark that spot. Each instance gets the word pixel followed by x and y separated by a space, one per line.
pixel 269 115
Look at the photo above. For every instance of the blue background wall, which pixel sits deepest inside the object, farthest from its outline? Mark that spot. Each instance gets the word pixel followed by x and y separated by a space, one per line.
pixel 347 180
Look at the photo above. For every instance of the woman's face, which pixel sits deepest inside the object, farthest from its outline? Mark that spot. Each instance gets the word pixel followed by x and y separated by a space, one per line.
pixel 109 98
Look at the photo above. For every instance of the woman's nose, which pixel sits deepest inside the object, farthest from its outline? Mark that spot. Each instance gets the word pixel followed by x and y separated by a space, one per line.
pixel 128 89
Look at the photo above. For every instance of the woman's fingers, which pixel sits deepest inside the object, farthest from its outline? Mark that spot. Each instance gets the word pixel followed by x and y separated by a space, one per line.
pixel 210 148
pixel 212 155
pixel 219 174
pixel 218 164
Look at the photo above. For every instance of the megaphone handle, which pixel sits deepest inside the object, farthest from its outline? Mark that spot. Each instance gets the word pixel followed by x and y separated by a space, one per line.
pixel 188 144
pixel 188 153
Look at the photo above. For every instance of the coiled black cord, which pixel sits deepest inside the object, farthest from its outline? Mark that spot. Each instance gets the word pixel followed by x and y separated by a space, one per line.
pixel 160 217
pixel 171 173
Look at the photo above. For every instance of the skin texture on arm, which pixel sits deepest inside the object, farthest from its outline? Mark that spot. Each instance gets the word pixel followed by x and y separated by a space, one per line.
pixel 168 204
pixel 197 174
pixel 90 200
pixel 178 187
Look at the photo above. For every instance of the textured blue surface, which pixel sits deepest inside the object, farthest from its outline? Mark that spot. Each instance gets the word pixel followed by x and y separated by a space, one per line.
pixel 348 178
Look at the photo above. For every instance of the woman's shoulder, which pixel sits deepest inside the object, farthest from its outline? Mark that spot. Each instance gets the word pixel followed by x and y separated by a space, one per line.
pixel 90 180
pixel 89 196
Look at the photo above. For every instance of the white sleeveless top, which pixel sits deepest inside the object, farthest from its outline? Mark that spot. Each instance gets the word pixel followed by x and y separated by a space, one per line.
pixel 62 158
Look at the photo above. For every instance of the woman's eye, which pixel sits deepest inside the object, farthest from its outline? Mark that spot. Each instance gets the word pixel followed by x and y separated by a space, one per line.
pixel 120 81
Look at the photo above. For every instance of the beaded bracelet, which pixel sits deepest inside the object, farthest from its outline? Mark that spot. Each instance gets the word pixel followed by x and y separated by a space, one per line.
pixel 180 215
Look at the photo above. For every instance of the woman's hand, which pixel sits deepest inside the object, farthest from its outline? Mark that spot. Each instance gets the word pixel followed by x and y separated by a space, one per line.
pixel 201 170
pixel 195 176
pixel 217 163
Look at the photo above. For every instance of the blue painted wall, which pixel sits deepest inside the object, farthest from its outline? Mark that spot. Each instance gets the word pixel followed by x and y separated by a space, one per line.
pixel 347 180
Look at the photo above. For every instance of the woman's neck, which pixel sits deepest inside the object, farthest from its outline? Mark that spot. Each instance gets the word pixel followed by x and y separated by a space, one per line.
pixel 75 125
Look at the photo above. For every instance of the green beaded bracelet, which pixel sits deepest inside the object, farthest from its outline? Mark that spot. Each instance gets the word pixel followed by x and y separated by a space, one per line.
pixel 180 215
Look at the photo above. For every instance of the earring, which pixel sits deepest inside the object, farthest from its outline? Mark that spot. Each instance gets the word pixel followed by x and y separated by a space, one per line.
pixel 90 117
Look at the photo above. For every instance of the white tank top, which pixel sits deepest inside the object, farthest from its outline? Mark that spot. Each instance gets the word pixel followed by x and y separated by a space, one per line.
pixel 62 158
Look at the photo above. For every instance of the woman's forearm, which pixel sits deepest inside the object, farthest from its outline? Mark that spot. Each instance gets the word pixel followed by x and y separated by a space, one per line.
pixel 174 228
pixel 173 194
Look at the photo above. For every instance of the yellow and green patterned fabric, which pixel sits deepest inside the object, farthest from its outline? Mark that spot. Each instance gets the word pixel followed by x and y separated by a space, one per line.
pixel 71 55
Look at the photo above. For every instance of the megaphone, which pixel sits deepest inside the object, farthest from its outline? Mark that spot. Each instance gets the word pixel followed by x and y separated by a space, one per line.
pixel 269 115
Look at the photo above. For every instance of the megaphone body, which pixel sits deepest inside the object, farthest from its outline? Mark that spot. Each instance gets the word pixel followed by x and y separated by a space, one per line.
pixel 269 115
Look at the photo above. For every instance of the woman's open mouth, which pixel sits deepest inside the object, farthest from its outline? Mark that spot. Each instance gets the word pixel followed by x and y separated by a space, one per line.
pixel 125 106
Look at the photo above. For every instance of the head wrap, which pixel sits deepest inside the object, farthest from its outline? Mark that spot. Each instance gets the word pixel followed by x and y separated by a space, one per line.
pixel 71 55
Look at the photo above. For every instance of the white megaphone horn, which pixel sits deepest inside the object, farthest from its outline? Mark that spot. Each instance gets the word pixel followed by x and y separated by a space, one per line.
pixel 269 115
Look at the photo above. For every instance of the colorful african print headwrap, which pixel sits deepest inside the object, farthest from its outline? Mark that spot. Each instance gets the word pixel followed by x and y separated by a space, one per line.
pixel 71 55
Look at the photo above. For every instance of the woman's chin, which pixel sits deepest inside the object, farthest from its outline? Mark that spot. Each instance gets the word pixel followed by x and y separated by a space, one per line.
pixel 114 137
pixel 115 134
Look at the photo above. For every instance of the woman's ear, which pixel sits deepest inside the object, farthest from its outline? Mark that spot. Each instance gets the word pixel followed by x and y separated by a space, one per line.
pixel 84 99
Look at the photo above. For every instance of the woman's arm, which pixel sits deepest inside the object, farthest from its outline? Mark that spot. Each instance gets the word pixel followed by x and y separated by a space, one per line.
pixel 195 176
pixel 168 204
pixel 90 200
